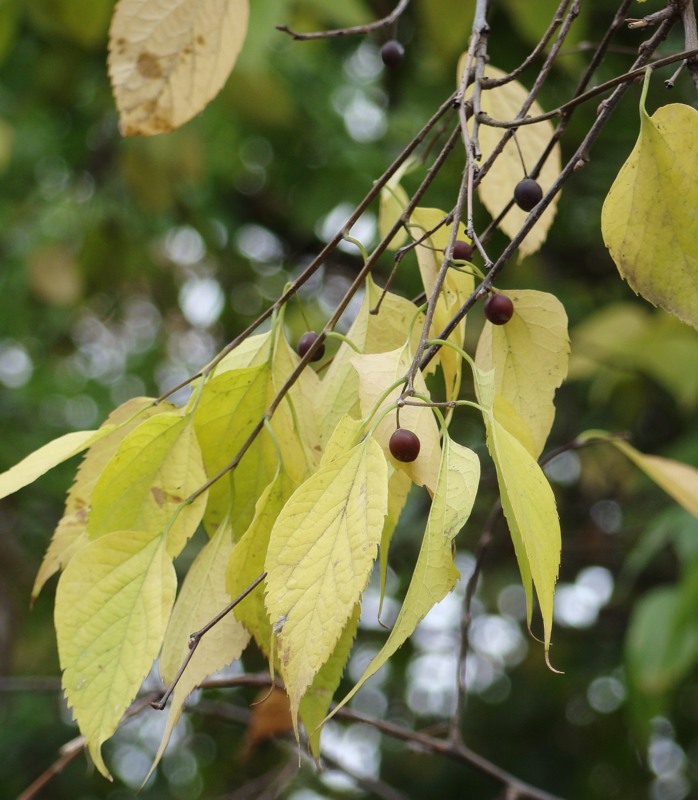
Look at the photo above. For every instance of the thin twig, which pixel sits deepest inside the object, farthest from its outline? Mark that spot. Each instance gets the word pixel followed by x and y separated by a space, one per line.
pixel 355 30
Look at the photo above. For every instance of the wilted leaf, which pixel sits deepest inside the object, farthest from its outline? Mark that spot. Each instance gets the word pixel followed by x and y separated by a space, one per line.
pixel 649 216
pixel 112 606
pixel 497 188
pixel 269 717
pixel 529 358
pixel 143 487
pixel 320 556
pixel 435 573
pixel 168 59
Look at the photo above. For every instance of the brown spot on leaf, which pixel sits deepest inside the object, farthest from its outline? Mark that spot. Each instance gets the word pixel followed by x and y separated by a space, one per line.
pixel 200 40
pixel 158 495
pixel 148 65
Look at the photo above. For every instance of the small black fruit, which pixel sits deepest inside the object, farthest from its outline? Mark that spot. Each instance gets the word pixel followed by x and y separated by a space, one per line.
pixel 498 309
pixel 462 250
pixel 404 445
pixel 306 341
pixel 527 194
pixel 392 53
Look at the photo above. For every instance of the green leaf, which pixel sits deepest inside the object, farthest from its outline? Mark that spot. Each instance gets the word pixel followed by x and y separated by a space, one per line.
pixel 648 218
pixel 48 457
pixel 320 557
pixel 435 573
pixel 529 357
pixel 144 486
pixel 71 531
pixel 112 605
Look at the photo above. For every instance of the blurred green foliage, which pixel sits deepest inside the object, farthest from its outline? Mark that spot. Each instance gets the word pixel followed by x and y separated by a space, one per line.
pixel 126 264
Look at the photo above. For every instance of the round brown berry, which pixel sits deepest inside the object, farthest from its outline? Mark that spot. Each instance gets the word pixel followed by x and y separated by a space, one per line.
pixel 462 250
pixel 527 194
pixel 306 341
pixel 404 445
pixel 392 53
pixel 498 309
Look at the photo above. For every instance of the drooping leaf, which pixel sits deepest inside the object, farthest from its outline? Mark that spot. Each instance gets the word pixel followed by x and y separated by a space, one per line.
pixel 529 507
pixel 529 357
pixel 155 469
pixel 648 218
pixel 679 480
pixel 112 605
pixel 399 485
pixel 71 531
pixel 457 287
pixel 497 188
pixel 202 596
pixel 392 202
pixel 48 457
pixel 320 556
pixel 370 333
pixel 168 59
pixel 376 374
pixel 435 573
pixel 246 562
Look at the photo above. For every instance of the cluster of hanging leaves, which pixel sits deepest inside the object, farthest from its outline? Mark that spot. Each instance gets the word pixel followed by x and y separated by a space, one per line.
pixel 309 496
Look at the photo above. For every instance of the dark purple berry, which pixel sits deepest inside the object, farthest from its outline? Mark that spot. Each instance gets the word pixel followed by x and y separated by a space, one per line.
pixel 462 250
pixel 404 445
pixel 392 53
pixel 527 194
pixel 306 341
pixel 498 309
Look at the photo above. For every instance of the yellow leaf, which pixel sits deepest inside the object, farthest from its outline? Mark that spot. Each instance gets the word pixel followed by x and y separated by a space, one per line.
pixel 648 220
pixel 251 352
pixel 458 286
pixel 392 202
pixel 399 485
pixel 435 573
pixel 529 507
pixel 338 393
pixel 143 487
pixel 231 404
pixel 376 374
pixel 497 188
pixel 48 457
pixel 112 606
pixel 529 357
pixel 246 562
pixel 202 596
pixel 679 480
pixel 168 59
pixel 320 557
pixel 71 531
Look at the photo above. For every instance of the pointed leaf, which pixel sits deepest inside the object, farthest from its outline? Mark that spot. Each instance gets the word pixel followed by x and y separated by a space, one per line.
pixel 392 202
pixel 648 218
pixel 435 573
pixel 497 188
pixel 112 606
pixel 320 557
pixel 203 595
pixel 529 357
pixel 168 59
pixel 155 469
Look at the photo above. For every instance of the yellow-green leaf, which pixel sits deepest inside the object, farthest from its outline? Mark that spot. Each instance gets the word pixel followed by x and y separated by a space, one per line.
pixel 48 457
pixel 497 188
pixel 168 59
pixel 338 393
pixel 391 205
pixel 203 595
pixel 649 216
pixel 529 506
pixel 112 605
pixel 71 531
pixel 529 357
pixel 435 573
pixel 320 557
pixel 143 487
pixel 376 374
pixel 457 287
